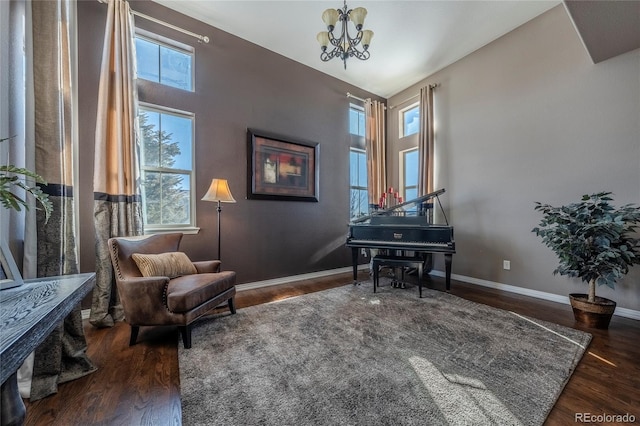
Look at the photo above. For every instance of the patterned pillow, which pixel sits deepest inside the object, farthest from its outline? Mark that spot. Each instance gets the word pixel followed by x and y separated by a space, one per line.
pixel 171 264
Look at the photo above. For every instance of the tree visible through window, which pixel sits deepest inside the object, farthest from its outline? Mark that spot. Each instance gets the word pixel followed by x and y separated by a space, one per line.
pixel 167 167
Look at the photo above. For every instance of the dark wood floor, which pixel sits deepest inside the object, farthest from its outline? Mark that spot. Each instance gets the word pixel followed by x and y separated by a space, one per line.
pixel 140 385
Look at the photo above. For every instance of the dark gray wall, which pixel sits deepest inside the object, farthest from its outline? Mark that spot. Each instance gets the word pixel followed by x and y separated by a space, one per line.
pixel 239 85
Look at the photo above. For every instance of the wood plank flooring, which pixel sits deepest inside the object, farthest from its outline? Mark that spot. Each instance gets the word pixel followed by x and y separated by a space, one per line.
pixel 140 385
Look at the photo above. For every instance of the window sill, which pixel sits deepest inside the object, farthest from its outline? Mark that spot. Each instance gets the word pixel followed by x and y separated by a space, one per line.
pixel 187 230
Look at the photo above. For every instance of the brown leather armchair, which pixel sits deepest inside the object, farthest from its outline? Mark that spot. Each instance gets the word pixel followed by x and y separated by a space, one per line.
pixel 160 300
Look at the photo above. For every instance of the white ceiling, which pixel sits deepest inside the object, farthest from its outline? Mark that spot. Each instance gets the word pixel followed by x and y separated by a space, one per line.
pixel 413 39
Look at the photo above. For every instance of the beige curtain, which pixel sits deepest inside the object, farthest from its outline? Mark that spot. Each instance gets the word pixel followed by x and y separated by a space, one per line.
pixel 62 356
pixel 426 142
pixel 376 148
pixel 117 201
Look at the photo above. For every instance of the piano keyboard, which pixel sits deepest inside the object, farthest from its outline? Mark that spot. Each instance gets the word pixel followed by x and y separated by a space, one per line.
pixel 403 243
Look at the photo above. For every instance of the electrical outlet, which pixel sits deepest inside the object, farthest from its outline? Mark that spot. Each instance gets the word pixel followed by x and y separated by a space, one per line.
pixel 506 265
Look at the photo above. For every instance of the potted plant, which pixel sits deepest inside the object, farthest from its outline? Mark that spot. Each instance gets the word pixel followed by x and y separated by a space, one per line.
pixel 12 178
pixel 594 241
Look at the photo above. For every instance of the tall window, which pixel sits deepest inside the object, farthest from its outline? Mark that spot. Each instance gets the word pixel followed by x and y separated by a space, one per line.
pixel 409 170
pixel 358 196
pixel 409 120
pixel 167 145
pixel 356 120
pixel 167 167
pixel 164 61
pixel 359 202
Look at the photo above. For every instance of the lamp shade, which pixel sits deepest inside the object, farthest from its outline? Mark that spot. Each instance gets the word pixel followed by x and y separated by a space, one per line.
pixel 323 38
pixel 219 191
pixel 367 35
pixel 357 16
pixel 330 17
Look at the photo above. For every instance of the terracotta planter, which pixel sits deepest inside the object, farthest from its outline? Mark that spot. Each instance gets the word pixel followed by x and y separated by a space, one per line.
pixel 592 314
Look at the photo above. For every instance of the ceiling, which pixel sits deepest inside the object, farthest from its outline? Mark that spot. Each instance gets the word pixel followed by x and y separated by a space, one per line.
pixel 607 28
pixel 413 39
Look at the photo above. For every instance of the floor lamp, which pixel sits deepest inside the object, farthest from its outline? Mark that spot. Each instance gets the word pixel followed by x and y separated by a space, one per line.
pixel 219 191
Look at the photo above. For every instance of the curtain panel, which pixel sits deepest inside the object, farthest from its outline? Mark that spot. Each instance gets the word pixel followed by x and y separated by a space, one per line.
pixel 116 179
pixel 376 150
pixel 426 142
pixel 62 356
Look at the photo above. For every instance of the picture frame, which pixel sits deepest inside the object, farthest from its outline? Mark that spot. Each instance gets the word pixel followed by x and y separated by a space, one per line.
pixel 9 273
pixel 280 168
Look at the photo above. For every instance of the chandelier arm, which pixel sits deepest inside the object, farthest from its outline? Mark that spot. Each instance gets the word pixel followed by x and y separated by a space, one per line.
pixel 357 39
pixel 364 55
pixel 324 56
pixel 335 41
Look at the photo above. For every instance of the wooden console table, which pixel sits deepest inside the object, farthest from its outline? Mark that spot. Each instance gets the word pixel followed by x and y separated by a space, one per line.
pixel 27 315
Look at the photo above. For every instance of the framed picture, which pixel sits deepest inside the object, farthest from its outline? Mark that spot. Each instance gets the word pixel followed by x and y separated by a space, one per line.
pixel 9 273
pixel 281 169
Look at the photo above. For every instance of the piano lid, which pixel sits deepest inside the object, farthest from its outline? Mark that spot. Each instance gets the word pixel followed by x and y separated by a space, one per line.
pixel 414 204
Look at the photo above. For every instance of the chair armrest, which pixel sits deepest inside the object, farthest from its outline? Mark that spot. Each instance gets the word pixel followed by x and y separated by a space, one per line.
pixel 142 297
pixel 207 266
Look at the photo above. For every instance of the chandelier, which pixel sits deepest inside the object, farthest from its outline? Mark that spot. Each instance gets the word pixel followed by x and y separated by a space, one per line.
pixel 344 46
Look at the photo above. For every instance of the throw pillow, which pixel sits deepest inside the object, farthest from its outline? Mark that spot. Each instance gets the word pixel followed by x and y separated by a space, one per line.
pixel 171 264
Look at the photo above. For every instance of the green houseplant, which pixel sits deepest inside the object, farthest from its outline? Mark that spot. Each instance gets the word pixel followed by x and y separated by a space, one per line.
pixel 12 178
pixel 594 241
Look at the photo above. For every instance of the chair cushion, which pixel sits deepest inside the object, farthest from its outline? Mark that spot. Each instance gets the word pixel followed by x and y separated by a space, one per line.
pixel 187 292
pixel 171 264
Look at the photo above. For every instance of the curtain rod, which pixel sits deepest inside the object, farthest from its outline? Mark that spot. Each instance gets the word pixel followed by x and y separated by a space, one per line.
pixel 433 86
pixel 349 95
pixel 200 37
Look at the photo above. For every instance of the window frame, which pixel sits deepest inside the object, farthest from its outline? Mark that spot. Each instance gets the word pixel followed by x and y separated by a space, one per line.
pixel 360 110
pixel 358 151
pixel 401 113
pixel 170 44
pixel 186 228
pixel 403 172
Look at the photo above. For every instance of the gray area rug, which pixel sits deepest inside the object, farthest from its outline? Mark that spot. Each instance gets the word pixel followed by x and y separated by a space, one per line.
pixel 347 356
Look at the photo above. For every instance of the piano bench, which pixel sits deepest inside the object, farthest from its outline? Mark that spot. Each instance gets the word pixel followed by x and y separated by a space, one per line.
pixel 399 261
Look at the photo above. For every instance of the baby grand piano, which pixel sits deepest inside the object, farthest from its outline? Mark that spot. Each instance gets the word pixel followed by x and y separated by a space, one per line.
pixel 404 227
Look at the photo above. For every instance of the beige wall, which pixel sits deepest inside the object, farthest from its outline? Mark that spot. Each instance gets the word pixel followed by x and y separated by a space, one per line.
pixel 530 118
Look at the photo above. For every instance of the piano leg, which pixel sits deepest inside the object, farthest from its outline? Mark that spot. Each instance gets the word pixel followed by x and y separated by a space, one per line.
pixel 354 260
pixel 420 270
pixel 447 264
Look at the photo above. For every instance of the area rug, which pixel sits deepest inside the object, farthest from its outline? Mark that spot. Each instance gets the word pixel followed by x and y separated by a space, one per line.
pixel 347 356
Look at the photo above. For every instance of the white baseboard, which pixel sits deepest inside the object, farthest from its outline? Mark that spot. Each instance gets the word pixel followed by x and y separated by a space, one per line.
pixel 293 278
pixel 622 312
